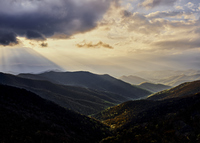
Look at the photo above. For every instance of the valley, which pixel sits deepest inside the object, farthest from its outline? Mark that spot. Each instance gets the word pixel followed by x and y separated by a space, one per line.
pixel 86 107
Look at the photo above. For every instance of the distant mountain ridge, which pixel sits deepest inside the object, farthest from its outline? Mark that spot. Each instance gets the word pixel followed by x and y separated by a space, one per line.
pixel 170 77
pixel 93 81
pixel 176 80
pixel 153 87
pixel 83 100
pixel 133 79
pixel 156 75
pixel 79 99
pixel 178 91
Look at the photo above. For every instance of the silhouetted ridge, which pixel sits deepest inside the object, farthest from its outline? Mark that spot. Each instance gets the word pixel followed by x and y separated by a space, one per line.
pixel 93 81
pixel 83 100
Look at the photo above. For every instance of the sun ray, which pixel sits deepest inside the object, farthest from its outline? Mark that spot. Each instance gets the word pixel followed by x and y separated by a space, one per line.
pixel 22 60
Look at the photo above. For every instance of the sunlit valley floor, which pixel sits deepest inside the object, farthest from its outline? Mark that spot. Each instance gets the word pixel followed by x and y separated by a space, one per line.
pixel 79 107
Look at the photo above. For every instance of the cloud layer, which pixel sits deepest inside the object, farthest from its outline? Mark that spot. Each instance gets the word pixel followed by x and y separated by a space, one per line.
pixel 40 19
pixel 154 3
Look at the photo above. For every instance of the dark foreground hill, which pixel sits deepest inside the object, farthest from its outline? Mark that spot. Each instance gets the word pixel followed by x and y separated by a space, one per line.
pixel 171 120
pixel 83 100
pixel 119 115
pixel 153 87
pixel 178 91
pixel 93 81
pixel 27 118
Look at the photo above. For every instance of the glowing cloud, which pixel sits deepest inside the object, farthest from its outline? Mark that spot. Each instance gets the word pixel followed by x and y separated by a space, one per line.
pixel 154 3
pixel 91 45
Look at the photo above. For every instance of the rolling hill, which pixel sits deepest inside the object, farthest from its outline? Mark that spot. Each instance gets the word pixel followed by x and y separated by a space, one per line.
pixel 153 87
pixel 178 91
pixel 119 115
pixel 171 120
pixel 93 81
pixel 85 101
pixel 27 118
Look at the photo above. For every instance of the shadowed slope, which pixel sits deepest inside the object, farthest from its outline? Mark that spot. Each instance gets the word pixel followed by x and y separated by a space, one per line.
pixel 85 101
pixel 170 120
pixel 25 117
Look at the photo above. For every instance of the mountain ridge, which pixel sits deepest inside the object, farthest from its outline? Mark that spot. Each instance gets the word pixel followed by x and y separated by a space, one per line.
pixel 79 99
pixel 153 87
pixel 169 120
pixel 89 80
pixel 178 91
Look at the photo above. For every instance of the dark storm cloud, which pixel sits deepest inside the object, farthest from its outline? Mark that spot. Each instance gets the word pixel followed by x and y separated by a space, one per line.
pixel 34 35
pixel 154 3
pixel 46 18
pixel 8 38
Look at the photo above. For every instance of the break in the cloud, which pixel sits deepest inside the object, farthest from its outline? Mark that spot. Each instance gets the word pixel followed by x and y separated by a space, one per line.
pixel 41 19
pixel 154 3
pixel 91 45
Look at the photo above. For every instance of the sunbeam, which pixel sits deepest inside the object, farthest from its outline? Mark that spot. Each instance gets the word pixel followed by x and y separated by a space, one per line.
pixel 24 60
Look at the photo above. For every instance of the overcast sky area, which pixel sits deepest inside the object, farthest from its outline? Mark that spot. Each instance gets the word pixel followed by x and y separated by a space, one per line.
pixel 116 37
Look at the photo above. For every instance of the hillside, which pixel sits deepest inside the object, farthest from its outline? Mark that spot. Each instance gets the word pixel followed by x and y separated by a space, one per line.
pixel 153 87
pixel 27 118
pixel 120 114
pixel 171 120
pixel 85 101
pixel 93 81
pixel 133 79
pixel 178 91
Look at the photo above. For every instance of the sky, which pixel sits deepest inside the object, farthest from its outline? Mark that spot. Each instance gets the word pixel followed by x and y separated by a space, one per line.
pixel 116 37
